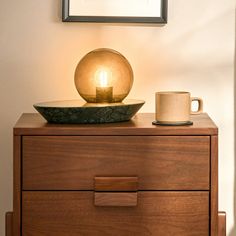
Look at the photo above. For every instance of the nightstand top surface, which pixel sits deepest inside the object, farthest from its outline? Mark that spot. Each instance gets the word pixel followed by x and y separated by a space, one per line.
pixel 141 124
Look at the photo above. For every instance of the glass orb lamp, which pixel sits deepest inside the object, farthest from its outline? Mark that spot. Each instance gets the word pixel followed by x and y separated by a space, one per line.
pixel 103 76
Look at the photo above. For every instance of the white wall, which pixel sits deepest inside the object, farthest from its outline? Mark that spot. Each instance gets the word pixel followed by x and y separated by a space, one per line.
pixel 194 52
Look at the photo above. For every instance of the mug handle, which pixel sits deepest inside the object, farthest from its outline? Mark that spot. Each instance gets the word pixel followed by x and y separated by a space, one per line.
pixel 200 106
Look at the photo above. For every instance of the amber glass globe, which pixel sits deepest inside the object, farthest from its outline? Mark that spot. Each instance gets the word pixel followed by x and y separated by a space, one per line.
pixel 103 76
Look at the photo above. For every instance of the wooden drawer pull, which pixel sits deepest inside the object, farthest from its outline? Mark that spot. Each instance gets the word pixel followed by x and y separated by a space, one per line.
pixel 116 184
pixel 116 199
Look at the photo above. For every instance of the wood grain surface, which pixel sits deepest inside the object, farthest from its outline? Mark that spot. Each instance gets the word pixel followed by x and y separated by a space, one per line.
pixel 115 183
pixel 157 213
pixel 17 186
pixel 9 224
pixel 221 224
pixel 72 162
pixel 116 199
pixel 174 169
pixel 214 185
pixel 141 124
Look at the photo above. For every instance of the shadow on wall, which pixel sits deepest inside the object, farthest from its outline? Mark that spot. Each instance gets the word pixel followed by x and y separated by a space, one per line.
pixel 233 231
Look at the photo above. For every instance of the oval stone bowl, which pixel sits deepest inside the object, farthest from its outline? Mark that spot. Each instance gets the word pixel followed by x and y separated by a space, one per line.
pixel 80 112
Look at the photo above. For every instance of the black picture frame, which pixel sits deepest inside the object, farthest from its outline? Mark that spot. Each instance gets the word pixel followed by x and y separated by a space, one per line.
pixel 66 17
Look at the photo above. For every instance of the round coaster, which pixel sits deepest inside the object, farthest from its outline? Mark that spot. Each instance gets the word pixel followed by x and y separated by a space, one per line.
pixel 172 124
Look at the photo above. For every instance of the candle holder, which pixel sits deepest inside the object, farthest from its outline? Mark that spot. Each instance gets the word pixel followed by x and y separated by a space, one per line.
pixel 103 78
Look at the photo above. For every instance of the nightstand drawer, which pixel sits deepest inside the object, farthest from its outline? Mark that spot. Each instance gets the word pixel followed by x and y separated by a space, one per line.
pixel 159 162
pixel 74 213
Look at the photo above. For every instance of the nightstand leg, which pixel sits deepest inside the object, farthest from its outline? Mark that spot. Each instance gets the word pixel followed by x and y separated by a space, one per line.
pixel 221 224
pixel 8 221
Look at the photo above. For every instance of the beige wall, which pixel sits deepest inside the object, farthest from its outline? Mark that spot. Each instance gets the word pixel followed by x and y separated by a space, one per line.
pixel 194 52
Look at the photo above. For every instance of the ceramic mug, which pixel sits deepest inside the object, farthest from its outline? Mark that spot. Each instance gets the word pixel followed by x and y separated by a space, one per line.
pixel 176 106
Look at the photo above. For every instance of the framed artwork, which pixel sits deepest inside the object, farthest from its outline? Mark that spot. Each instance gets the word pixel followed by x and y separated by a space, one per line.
pixel 116 11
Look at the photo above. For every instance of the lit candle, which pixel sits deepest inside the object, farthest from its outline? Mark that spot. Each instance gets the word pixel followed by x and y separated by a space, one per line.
pixel 104 93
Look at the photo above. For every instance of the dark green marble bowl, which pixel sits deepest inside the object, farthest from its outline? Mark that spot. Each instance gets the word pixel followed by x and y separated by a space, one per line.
pixel 79 112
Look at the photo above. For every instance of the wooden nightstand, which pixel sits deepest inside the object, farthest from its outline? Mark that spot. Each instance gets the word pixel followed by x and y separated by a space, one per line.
pixel 121 179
